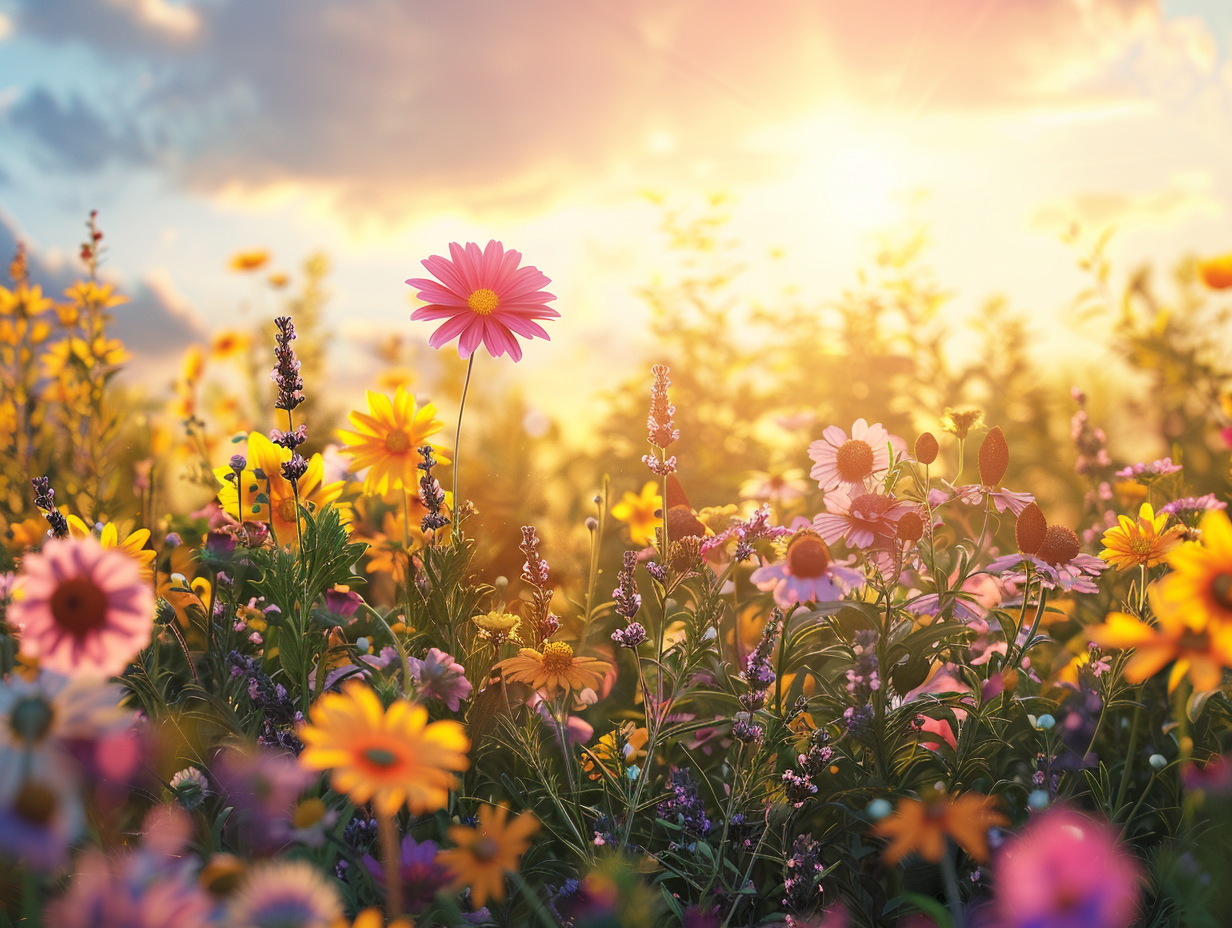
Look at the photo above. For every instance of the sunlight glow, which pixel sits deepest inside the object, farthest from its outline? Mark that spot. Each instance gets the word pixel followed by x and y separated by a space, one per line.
pixel 859 184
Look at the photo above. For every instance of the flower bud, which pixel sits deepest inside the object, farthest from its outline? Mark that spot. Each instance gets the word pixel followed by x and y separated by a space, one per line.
pixel 926 448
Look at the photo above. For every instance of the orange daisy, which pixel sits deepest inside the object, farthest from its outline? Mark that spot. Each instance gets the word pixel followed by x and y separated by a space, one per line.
pixel 1216 273
pixel 641 512
pixel 923 826
pixel 1201 578
pixel 484 854
pixel 1141 541
pixel 386 438
pixel 555 668
pixel 247 261
pixel 392 757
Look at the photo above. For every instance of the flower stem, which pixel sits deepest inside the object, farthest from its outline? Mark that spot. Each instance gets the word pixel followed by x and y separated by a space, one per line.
pixel 950 877
pixel 391 854
pixel 457 440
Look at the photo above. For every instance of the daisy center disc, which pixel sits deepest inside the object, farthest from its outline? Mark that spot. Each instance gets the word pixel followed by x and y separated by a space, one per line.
pixel 485 848
pixel 854 460
pixel 79 606
pixel 869 506
pixel 1221 590
pixel 807 556
pixel 397 442
pixel 35 803
pixel 557 657
pixel 1060 546
pixel 31 718
pixel 483 301
pixel 380 757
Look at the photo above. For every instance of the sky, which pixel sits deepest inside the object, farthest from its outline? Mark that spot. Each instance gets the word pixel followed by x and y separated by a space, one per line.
pixel 380 130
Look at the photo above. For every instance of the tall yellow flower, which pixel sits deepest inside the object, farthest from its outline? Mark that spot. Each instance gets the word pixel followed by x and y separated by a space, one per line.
pixel 555 668
pixel 1201 579
pixel 639 512
pixel 385 439
pixel 109 537
pixel 392 757
pixel 1141 541
pixel 279 511
pixel 1200 652
pixel 484 854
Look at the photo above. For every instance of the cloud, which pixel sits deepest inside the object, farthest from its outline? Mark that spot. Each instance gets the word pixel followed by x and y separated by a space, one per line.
pixel 391 109
pixel 1184 195
pixel 72 135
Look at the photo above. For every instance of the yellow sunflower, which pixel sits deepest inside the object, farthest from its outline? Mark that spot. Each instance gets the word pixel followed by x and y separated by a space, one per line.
pixel 385 439
pixel 1201 579
pixel 279 511
pixel 109 537
pixel 484 854
pixel 498 627
pixel 247 261
pixel 1200 652
pixel 230 343
pixel 640 511
pixel 392 757
pixel 1141 541
pixel 553 669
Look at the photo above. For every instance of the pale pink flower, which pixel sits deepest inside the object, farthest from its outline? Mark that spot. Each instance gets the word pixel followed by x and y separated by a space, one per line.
pixel 1002 499
pixel 851 463
pixel 483 296
pixel 82 608
pixel 440 677
pixel 807 573
pixel 864 520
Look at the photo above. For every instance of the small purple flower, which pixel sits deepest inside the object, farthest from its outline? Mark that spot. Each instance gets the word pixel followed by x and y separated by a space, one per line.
pixel 262 784
pixel 1149 471
pixel 421 875
pixel 630 637
pixel 440 677
pixel 628 600
pixel 342 601
pixel 1192 504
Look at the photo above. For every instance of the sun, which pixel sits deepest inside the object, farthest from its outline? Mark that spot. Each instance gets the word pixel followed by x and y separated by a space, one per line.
pixel 859 183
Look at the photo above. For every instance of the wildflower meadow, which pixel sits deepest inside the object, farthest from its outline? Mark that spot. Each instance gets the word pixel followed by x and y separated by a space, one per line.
pixel 820 629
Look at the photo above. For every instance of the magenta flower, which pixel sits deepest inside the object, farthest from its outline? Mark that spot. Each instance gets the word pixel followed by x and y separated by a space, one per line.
pixel 483 296
pixel 83 608
pixel 440 677
pixel 1066 871
pixel 422 876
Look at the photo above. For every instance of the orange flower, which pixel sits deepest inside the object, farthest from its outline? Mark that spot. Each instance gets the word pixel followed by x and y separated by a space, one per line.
pixel 1200 651
pixel 923 826
pixel 616 750
pixel 640 511
pixel 1216 273
pixel 247 261
pixel 1141 541
pixel 229 344
pixel 484 854
pixel 386 439
pixel 1201 578
pixel 554 669
pixel 392 757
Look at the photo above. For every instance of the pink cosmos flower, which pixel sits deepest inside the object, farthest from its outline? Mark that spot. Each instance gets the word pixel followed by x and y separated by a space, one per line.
pixel 440 677
pixel 483 296
pixel 83 608
pixel 851 463
pixel 1066 871
pixel 807 574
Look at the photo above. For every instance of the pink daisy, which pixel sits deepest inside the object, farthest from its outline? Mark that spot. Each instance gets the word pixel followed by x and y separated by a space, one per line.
pixel 865 520
pixel 483 296
pixel 1002 499
pixel 807 574
pixel 83 608
pixel 850 463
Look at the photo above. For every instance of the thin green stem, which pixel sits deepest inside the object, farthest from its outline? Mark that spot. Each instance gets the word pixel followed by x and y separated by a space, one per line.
pixel 950 876
pixel 457 441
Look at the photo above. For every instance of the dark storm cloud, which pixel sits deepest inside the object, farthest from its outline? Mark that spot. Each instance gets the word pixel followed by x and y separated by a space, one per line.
pixel 72 135
pixel 394 107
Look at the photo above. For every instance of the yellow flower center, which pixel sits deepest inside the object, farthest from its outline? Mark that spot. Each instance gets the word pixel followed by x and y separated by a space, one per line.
pixel 308 813
pixel 854 460
pixel 286 509
pixel 483 301
pixel 557 657
pixel 397 442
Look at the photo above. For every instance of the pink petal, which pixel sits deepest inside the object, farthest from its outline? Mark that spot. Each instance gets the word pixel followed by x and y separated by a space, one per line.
pixel 449 330
pixel 472 335
pixel 448 273
pixel 436 311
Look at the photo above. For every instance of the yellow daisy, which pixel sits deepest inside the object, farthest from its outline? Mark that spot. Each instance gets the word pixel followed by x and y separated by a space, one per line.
pixel 1141 541
pixel 553 669
pixel 484 854
pixel 279 512
pixel 385 439
pixel 392 757
pixel 640 511
pixel 248 261
pixel 1201 578
pixel 109 537
pixel 1199 652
